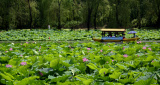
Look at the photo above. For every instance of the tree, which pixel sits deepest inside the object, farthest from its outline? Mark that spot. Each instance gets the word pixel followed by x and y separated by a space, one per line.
pixel 30 13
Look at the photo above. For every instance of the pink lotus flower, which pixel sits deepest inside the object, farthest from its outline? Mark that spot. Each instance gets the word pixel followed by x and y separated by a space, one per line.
pixel 101 51
pixel 9 66
pixel 69 46
pixel 149 48
pixel 125 55
pixel 27 42
pixel 107 62
pixel 112 60
pixel 138 55
pixel 109 46
pixel 144 48
pixel 41 73
pixel 21 55
pixel 123 48
pixel 23 63
pixel 10 49
pixel 40 47
pixel 139 42
pixel 88 48
pixel 152 61
pixel 85 59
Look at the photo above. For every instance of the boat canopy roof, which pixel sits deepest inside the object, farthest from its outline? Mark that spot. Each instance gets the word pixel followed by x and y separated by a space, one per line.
pixel 113 30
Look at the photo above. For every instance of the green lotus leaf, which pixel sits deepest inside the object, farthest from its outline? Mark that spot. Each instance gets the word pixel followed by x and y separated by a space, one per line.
pixel 103 71
pixel 115 75
pixel 92 66
pixel 54 63
pixel 121 66
pixel 7 77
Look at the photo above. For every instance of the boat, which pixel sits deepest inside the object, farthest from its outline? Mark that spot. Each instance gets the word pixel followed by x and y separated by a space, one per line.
pixel 117 37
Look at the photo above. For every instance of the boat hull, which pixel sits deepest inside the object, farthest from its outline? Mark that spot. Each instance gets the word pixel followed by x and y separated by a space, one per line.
pixel 129 39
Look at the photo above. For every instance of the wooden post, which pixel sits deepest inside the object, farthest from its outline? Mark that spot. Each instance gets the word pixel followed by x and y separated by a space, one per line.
pixel 123 35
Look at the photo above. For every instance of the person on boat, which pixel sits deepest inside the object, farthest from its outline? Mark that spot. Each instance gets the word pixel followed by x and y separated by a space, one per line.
pixel 110 34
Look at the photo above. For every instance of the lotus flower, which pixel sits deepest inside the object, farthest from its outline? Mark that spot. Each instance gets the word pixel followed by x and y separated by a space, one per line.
pixel 9 66
pixel 125 55
pixel 144 48
pixel 23 63
pixel 101 51
pixel 112 60
pixel 41 73
pixel 85 59
pixel 139 42
pixel 27 42
pixel 10 49
pixel 123 48
pixel 149 48
pixel 88 48
pixel 12 43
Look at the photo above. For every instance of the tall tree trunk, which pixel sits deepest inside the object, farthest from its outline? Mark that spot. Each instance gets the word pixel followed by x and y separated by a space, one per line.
pixel 6 16
pixel 139 14
pixel 59 14
pixel 117 20
pixel 158 21
pixel 73 14
pixel 30 14
pixel 88 19
pixel 95 17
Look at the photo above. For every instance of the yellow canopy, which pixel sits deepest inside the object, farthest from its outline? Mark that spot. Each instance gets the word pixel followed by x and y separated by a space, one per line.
pixel 113 30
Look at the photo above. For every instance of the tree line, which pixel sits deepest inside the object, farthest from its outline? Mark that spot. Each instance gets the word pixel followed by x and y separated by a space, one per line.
pixel 20 14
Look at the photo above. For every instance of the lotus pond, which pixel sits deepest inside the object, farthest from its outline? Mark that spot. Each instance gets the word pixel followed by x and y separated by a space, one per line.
pixel 32 63
pixel 66 35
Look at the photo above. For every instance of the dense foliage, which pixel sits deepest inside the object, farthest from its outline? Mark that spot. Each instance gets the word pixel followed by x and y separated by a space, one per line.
pixel 64 63
pixel 78 13
pixel 67 35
